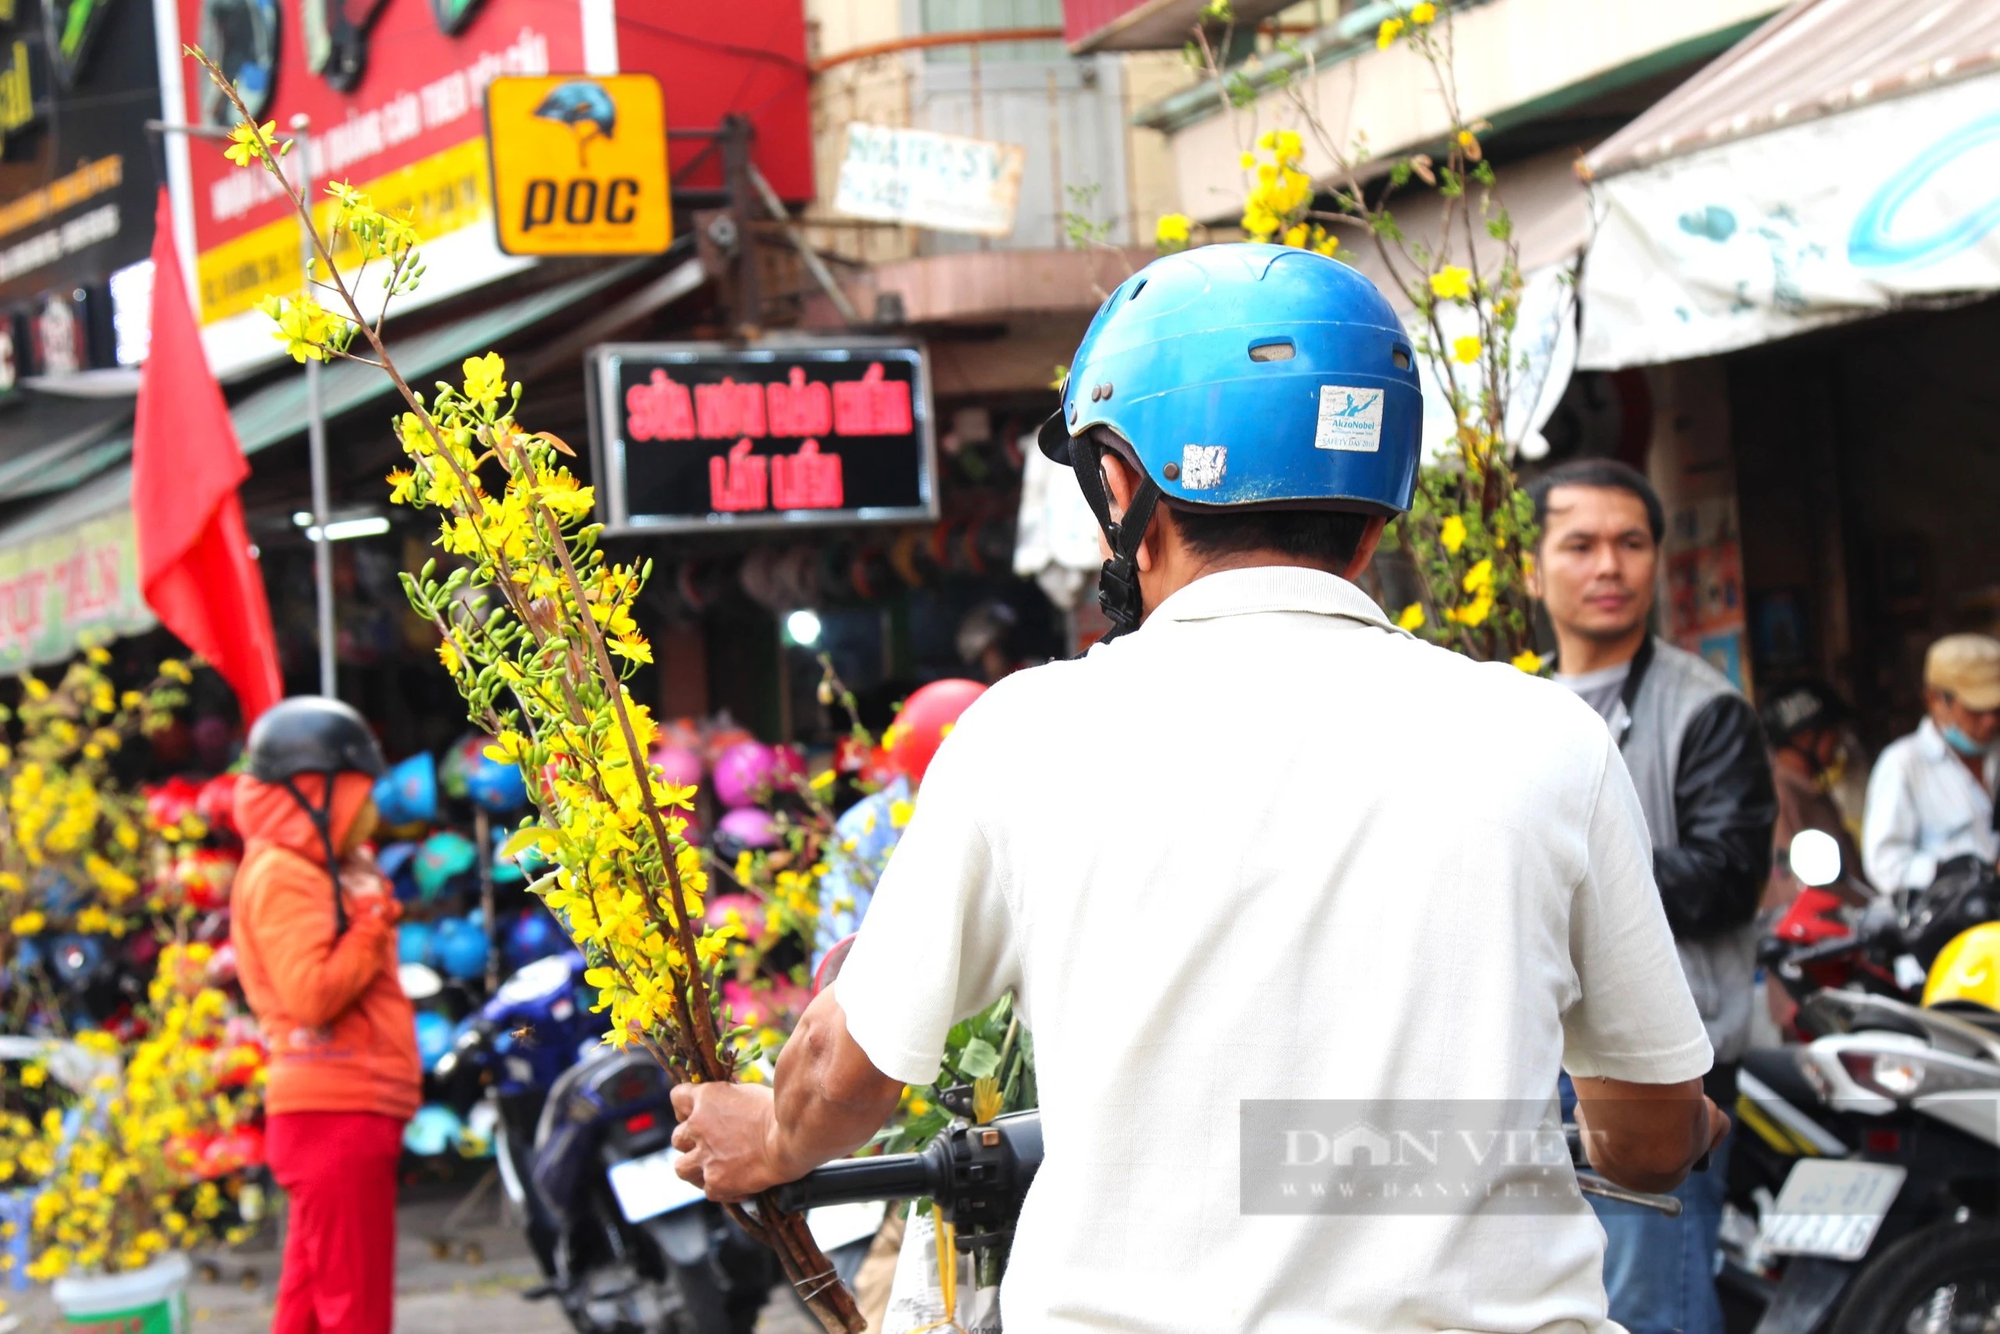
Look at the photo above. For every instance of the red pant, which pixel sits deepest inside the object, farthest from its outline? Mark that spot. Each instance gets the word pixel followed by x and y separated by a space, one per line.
pixel 339 1168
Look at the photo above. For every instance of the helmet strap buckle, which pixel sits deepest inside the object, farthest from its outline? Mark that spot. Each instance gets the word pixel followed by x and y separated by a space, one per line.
pixel 1118 581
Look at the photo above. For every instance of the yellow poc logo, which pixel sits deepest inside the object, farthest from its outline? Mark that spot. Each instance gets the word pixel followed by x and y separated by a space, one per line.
pixel 579 164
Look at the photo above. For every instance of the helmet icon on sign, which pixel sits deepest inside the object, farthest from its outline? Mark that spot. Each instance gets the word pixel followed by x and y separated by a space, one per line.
pixel 586 108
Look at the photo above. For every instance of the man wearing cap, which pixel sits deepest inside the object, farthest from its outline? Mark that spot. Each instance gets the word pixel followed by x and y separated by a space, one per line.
pixel 1931 797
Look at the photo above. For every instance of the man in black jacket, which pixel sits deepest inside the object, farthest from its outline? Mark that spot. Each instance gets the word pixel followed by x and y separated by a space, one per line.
pixel 1696 754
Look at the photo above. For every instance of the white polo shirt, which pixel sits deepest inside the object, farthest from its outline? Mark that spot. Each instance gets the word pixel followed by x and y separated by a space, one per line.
pixel 1270 847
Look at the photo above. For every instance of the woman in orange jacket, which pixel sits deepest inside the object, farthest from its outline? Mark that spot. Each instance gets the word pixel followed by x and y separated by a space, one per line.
pixel 314 928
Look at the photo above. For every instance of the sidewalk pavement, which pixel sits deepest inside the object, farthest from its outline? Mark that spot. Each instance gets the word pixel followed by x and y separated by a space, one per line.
pixel 453 1294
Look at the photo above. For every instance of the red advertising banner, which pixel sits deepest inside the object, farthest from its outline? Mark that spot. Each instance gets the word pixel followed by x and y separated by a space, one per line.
pixel 395 94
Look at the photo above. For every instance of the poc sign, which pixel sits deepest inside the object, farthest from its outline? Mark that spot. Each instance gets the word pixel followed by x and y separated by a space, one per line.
pixel 579 164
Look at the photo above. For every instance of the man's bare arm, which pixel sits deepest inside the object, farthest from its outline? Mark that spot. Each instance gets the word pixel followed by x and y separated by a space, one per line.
pixel 739 1139
pixel 1646 1136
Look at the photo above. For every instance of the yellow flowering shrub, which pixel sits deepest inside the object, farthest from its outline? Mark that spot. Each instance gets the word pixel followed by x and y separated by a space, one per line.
pixel 75 842
pixel 540 635
pixel 124 1166
pixel 1470 529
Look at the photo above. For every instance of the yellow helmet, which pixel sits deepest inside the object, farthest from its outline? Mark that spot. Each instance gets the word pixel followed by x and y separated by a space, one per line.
pixel 1968 969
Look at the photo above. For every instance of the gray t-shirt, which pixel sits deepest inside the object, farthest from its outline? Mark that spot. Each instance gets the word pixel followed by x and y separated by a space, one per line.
pixel 1599 689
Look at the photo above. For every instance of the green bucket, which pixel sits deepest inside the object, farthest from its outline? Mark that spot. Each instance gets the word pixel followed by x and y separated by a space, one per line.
pixel 152 1300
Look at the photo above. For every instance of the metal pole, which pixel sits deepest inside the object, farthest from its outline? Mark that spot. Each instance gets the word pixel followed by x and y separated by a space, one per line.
pixel 316 444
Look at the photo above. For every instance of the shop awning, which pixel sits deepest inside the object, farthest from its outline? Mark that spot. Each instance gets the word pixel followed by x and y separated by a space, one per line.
pixel 69 566
pixel 1838 162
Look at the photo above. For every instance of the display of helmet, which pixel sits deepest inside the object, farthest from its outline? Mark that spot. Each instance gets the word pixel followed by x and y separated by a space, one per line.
pixel 1967 969
pixel 677 764
pixel 310 734
pixel 435 1128
pixel 921 725
pixel 398 861
pixel 457 763
pixel 408 793
pixel 743 772
pixel 1245 374
pixel 413 942
pixel 533 935
pixel 496 786
pixel 441 859
pixel 1803 706
pixel 461 948
pixel 216 803
pixel 743 829
pixel 433 1037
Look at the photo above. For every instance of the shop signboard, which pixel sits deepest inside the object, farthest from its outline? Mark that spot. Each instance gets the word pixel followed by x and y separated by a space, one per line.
pixel 579 164
pixel 691 437
pixel 945 182
pixel 78 185
pixel 393 97
pixel 71 585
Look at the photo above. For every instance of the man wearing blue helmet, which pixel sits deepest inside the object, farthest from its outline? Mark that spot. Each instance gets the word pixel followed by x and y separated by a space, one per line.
pixel 1247 870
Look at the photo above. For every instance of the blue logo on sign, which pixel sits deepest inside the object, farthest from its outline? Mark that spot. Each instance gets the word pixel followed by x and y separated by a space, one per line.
pixel 1355 407
pixel 1870 245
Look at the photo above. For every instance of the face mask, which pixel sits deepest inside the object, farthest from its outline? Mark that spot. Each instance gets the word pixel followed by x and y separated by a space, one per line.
pixel 1956 738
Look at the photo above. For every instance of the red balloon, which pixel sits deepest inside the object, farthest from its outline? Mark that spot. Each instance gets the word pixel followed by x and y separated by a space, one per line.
pixel 920 728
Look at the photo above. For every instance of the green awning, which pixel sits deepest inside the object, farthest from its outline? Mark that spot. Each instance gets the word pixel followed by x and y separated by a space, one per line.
pixel 277 412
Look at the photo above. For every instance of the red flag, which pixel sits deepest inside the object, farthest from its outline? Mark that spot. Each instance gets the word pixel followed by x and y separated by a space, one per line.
pixel 194 554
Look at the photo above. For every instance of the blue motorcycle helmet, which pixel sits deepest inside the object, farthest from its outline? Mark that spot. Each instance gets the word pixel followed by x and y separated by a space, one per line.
pixel 1239 376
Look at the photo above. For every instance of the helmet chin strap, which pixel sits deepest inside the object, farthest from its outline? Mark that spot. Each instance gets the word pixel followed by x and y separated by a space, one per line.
pixel 1118 582
pixel 322 818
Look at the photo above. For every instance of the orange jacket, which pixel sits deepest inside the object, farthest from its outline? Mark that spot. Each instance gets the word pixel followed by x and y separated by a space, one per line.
pixel 341 1032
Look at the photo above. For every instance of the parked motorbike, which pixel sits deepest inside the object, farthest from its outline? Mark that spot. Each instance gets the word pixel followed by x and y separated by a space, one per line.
pixel 1865 1177
pixel 581 1140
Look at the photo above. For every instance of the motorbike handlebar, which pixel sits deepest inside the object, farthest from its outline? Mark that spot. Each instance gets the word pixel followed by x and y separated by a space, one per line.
pixel 893 1176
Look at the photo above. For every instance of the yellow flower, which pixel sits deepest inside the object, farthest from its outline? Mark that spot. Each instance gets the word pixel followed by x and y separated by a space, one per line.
pixel 176 670
pixel 1296 235
pixel 448 655
pixel 1475 612
pixel 1424 13
pixel 900 813
pixel 1386 35
pixel 1528 661
pixel 1247 161
pixel 1451 283
pixel 28 923
pixel 485 379
pixel 1465 349
pixel 1451 533
pixel 34 1076
pixel 1479 577
pixel 243 142
pixel 1172 228
pixel 1412 617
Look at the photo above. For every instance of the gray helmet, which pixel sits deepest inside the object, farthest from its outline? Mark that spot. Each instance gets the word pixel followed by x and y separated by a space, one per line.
pixel 310 734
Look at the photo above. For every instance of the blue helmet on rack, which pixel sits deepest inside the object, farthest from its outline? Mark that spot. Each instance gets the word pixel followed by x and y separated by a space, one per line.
pixel 1246 375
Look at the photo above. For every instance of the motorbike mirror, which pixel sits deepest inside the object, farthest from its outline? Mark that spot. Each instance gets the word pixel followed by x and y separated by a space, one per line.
pixel 1814 858
pixel 420 981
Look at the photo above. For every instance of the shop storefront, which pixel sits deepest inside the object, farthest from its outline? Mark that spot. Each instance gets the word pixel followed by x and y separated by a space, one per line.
pixel 1791 284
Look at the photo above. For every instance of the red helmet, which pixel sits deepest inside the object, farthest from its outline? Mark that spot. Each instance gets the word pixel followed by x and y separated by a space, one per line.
pixel 929 713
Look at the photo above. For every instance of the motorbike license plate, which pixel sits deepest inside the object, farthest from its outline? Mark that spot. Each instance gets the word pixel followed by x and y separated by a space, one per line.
pixel 1831 1208
pixel 648 1187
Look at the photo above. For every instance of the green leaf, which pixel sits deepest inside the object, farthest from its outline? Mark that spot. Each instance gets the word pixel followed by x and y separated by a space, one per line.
pixel 523 839
pixel 979 1060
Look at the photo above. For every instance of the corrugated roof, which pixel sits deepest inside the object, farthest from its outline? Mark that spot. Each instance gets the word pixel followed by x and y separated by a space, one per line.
pixel 1816 58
